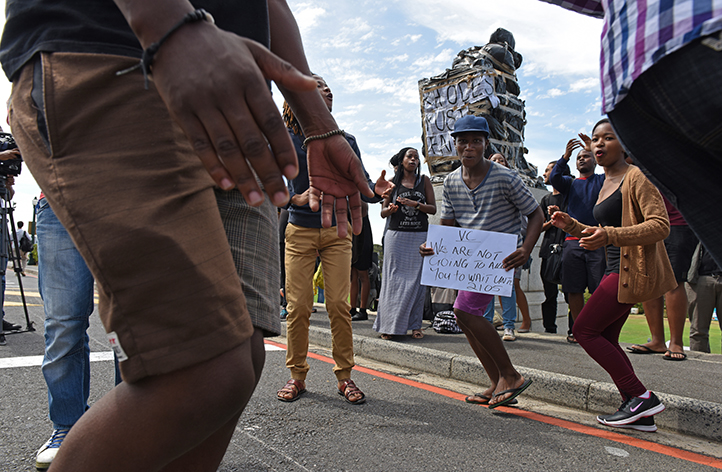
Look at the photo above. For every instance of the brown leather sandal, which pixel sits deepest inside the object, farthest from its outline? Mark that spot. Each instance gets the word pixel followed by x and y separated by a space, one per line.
pixel 347 389
pixel 294 387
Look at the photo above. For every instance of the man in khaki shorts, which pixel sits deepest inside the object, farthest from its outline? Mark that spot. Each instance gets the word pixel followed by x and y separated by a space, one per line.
pixel 120 166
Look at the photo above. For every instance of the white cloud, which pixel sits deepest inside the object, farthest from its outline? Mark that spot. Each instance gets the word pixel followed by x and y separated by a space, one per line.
pixel 307 16
pixel 596 106
pixel 349 37
pixel 399 58
pixel 585 85
pixel 348 111
pixel 367 36
pixel 547 47
pixel 442 59
pixel 410 142
pixel 351 77
pixel 552 93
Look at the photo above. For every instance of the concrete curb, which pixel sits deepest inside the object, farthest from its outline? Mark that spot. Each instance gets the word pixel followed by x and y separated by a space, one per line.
pixel 682 414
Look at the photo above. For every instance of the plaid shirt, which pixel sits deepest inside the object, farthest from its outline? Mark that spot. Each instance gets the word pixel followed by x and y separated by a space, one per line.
pixel 638 33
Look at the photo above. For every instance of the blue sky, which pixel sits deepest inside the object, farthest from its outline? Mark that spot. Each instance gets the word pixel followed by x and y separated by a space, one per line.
pixel 373 53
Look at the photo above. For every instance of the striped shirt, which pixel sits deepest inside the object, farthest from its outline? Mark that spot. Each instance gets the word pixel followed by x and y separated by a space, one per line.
pixel 638 33
pixel 497 204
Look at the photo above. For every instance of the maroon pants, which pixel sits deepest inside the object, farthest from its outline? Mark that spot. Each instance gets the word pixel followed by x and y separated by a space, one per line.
pixel 597 329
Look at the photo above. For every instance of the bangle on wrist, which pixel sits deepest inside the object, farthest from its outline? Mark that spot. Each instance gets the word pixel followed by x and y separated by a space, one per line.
pixel 149 53
pixel 322 136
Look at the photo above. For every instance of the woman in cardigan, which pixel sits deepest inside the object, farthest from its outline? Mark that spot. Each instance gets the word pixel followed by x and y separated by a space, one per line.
pixel 633 224
pixel 401 301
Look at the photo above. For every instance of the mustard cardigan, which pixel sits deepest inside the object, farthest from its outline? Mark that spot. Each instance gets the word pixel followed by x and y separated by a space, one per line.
pixel 645 272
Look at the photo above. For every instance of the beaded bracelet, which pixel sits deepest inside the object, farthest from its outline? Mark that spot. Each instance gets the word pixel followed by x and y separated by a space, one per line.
pixel 322 136
pixel 149 53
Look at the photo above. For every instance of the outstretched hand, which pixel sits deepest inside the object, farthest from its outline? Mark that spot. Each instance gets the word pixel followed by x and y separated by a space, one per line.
pixel 560 219
pixel 426 251
pixel 406 202
pixel 572 144
pixel 597 238
pixel 516 259
pixel 587 141
pixel 383 187
pixel 224 106
pixel 9 154
pixel 335 172
pixel 392 208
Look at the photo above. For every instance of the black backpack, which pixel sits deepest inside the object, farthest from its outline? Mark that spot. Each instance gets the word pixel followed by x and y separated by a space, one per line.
pixel 25 244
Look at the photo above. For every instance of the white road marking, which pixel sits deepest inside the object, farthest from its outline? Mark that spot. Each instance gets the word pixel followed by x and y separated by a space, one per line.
pixel 37 361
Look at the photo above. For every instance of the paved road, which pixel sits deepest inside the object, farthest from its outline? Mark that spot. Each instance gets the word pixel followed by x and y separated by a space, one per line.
pixel 411 422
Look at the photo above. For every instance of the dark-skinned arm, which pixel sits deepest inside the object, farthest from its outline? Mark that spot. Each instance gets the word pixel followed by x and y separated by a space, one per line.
pixel 519 257
pixel 229 120
pixel 334 170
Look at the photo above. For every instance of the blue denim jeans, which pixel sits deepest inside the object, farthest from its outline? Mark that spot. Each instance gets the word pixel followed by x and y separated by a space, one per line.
pixel 66 287
pixel 669 123
pixel 508 310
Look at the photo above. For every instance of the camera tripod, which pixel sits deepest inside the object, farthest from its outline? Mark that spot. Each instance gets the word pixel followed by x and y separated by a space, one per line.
pixel 10 251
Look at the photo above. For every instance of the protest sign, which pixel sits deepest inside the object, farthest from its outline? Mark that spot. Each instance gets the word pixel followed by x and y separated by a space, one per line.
pixel 468 259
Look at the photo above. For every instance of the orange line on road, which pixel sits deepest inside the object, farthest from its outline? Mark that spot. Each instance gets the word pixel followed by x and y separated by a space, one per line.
pixel 588 430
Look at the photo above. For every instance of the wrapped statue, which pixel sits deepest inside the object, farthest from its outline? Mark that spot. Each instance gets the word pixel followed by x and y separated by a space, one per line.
pixel 481 82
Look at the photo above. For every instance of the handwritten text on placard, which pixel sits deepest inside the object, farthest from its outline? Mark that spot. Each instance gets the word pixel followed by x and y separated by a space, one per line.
pixel 443 103
pixel 468 259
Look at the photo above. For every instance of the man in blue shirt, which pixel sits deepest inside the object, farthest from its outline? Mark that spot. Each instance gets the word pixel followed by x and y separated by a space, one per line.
pixel 581 269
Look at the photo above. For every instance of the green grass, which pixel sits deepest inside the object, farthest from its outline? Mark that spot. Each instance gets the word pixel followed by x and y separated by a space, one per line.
pixel 636 331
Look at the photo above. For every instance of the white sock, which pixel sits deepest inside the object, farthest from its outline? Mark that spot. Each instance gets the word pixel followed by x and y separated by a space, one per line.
pixel 645 395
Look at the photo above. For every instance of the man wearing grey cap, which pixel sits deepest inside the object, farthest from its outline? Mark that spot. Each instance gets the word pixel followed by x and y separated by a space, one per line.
pixel 487 196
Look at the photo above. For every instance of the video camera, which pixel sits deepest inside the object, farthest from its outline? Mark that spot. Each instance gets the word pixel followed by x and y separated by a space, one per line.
pixel 10 167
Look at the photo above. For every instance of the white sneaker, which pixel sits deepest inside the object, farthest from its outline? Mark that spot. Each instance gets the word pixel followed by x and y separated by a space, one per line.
pixel 47 453
pixel 508 335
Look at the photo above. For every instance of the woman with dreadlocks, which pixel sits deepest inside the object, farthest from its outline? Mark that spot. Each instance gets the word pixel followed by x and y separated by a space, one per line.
pixel 305 238
pixel 401 302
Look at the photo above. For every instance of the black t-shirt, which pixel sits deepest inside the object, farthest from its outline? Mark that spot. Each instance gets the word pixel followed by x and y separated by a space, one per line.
pixel 553 235
pixel 97 26
pixel 608 212
pixel 408 218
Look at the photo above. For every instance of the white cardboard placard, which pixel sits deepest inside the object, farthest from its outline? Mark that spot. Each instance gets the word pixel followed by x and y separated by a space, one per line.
pixel 468 259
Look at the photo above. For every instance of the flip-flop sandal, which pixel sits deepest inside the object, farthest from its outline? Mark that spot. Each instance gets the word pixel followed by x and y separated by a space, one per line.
pixel 349 388
pixel 293 387
pixel 515 392
pixel 641 349
pixel 672 353
pixel 417 334
pixel 470 398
